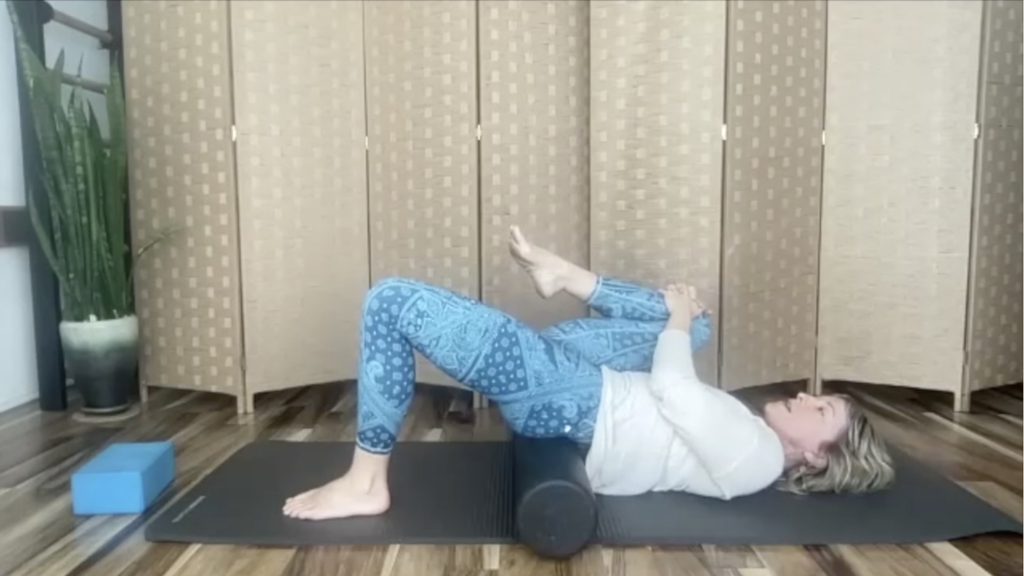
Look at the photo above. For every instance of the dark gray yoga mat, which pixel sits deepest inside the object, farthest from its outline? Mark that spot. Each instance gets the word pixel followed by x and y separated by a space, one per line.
pixel 441 492
pixel 461 493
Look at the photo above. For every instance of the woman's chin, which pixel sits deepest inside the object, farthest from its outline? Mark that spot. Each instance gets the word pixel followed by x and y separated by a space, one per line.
pixel 774 410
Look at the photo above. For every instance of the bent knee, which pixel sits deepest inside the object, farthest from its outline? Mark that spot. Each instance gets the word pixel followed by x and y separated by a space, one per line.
pixel 387 289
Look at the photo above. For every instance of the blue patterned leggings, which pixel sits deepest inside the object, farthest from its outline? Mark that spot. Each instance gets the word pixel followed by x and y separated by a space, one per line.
pixel 545 383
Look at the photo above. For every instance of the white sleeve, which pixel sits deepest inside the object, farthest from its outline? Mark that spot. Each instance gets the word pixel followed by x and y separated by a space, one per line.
pixel 734 448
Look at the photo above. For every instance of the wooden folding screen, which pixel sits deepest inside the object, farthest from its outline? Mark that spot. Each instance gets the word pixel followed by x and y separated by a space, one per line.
pixel 286 245
pixel 422 118
pixel 994 316
pixel 714 184
pixel 301 155
pixel 534 115
pixel 309 148
pixel 181 175
pixel 899 152
pixel 656 145
pixel 775 83
pixel 420 89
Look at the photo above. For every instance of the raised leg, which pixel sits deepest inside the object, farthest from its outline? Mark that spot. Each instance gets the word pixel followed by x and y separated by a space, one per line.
pixel 613 298
pixel 544 389
pixel 626 338
pixel 624 345
pixel 639 312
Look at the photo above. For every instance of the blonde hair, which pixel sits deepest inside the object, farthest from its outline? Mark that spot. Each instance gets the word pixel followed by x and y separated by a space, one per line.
pixel 857 463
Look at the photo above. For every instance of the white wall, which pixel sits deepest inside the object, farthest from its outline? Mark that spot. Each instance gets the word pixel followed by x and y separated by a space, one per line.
pixel 19 380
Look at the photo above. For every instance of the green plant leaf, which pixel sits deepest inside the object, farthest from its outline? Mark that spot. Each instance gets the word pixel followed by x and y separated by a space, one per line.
pixel 117 181
pixel 45 243
pixel 79 210
pixel 106 284
pixel 77 201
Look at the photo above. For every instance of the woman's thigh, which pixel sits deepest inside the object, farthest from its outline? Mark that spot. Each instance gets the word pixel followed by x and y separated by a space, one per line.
pixel 618 343
pixel 543 387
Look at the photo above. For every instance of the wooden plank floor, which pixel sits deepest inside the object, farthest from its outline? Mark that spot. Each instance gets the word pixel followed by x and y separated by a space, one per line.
pixel 39 536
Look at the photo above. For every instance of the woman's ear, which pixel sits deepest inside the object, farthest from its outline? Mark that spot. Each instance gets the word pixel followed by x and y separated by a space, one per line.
pixel 815 460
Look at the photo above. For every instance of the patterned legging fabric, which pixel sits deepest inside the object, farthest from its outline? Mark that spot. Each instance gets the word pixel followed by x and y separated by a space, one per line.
pixel 545 383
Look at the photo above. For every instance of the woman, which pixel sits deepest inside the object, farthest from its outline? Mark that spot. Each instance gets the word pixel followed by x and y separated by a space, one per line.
pixel 624 383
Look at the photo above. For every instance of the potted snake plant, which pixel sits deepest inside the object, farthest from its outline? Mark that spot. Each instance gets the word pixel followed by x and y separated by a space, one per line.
pixel 79 219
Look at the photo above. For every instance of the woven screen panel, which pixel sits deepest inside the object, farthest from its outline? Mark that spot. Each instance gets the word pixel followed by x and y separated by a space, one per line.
pixel 534 107
pixel 994 334
pixel 657 94
pixel 181 174
pixel 299 93
pixel 775 105
pixel 899 151
pixel 421 94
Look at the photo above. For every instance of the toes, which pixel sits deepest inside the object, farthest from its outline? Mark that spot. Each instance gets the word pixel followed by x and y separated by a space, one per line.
pixel 312 514
pixel 295 503
pixel 517 235
pixel 300 509
pixel 513 240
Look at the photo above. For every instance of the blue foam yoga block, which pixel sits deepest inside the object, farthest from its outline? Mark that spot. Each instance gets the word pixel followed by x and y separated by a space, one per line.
pixel 124 478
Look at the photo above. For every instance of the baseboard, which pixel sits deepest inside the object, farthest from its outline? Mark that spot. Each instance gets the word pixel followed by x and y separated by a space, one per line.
pixel 17 402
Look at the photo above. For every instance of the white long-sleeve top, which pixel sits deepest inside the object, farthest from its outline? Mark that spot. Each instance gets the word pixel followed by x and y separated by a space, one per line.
pixel 668 431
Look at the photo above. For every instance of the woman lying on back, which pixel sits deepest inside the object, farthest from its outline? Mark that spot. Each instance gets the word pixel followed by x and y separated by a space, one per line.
pixel 624 383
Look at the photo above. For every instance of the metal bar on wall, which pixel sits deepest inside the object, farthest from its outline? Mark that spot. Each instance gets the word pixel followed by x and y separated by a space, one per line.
pixel 45 293
pixel 115 19
pixel 84 83
pixel 49 14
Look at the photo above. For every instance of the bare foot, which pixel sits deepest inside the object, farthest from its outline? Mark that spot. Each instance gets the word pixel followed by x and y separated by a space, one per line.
pixel 342 498
pixel 547 270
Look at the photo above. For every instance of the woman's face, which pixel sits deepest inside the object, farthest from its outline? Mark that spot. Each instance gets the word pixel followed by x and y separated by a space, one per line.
pixel 809 424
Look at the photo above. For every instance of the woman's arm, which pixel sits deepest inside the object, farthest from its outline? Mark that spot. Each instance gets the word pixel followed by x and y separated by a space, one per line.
pixel 728 440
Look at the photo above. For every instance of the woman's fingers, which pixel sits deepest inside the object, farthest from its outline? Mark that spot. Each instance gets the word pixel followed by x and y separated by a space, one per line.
pixel 678 290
